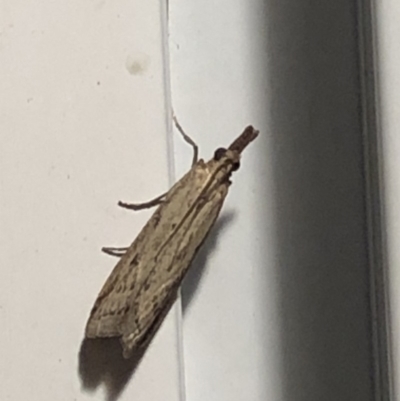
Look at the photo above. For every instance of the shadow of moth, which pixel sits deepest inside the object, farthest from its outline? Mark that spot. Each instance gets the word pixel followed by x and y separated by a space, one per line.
pixel 144 284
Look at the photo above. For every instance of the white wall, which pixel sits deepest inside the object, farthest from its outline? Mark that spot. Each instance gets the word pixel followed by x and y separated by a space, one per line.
pixel 83 106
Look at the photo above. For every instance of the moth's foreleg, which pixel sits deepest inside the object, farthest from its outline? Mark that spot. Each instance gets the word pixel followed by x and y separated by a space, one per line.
pixel 118 252
pixel 188 139
pixel 145 205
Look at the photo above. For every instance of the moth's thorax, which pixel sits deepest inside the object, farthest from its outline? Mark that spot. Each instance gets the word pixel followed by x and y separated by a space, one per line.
pixel 222 167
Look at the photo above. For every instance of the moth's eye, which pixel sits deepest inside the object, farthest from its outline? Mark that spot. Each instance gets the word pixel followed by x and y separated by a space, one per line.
pixel 235 166
pixel 219 153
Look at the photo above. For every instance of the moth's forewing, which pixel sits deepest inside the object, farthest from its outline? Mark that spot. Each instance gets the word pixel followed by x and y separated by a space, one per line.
pixel 137 269
pixel 170 267
pixel 127 277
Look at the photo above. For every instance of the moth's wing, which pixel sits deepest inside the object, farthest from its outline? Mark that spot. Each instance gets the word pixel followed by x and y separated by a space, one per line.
pixel 117 297
pixel 127 346
pixel 112 304
pixel 157 294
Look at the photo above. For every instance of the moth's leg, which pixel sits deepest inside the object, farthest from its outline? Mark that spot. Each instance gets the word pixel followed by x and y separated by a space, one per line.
pixel 188 139
pixel 119 252
pixel 144 205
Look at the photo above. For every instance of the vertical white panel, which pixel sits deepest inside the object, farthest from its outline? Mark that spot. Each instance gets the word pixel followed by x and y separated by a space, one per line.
pixel 218 83
pixel 82 125
pixel 276 306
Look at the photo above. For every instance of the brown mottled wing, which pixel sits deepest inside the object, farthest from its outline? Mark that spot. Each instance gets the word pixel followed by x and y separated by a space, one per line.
pixel 115 301
pixel 111 304
pixel 128 349
pixel 152 300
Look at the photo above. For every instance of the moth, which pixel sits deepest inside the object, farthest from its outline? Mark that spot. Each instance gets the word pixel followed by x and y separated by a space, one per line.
pixel 144 283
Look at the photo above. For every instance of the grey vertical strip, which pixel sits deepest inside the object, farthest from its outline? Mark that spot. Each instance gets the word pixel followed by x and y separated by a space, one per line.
pixel 383 386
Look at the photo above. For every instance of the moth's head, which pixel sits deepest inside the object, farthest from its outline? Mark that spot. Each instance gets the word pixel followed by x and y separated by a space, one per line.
pixel 227 157
pixel 230 158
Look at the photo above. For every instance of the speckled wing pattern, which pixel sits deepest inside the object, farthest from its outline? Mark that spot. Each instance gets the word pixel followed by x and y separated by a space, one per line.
pixel 143 285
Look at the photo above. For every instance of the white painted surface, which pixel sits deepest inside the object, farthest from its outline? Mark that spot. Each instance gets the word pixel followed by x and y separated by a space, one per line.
pixel 82 100
pixel 275 306
pixel 388 28
pixel 218 82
